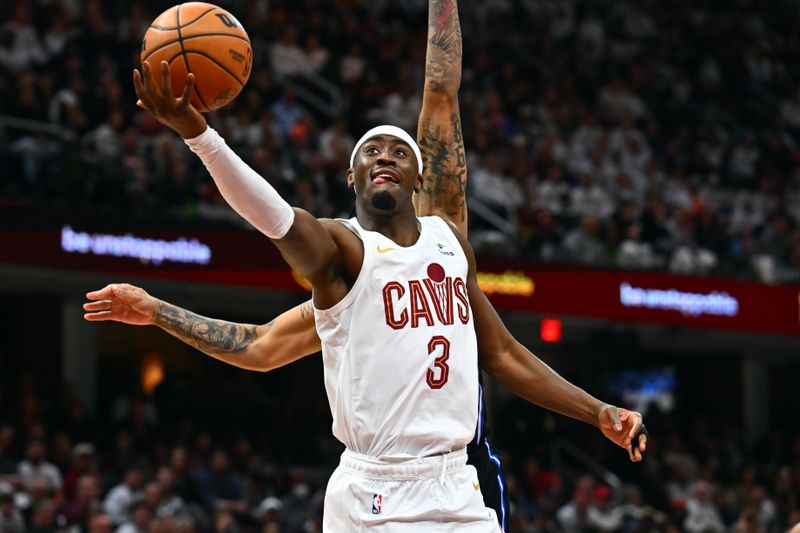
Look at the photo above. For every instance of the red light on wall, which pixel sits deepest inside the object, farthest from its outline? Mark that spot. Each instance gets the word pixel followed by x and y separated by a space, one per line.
pixel 550 330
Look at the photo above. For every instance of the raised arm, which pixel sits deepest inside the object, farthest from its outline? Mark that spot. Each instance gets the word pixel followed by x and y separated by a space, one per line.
pixel 287 338
pixel 439 135
pixel 527 376
pixel 307 244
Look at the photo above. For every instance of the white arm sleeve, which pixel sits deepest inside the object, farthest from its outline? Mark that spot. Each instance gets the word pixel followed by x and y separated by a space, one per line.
pixel 246 192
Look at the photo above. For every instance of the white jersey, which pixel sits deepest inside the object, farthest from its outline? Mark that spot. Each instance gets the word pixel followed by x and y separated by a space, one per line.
pixel 400 353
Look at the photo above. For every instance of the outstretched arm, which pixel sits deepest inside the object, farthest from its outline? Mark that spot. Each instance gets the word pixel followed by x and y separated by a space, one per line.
pixel 527 376
pixel 287 338
pixel 439 135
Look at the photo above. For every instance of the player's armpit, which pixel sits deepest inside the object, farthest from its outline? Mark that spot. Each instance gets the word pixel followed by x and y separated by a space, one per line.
pixel 325 252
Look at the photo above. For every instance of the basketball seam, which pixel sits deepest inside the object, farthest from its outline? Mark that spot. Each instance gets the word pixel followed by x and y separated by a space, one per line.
pixel 186 59
pixel 178 27
pixel 220 65
pixel 164 45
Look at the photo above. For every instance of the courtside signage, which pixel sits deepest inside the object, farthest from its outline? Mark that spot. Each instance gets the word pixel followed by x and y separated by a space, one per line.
pixel 686 303
pixel 509 282
pixel 153 251
pixel 242 258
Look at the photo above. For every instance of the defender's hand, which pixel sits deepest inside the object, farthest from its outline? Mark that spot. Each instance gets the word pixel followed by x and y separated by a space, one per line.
pixel 123 303
pixel 156 98
pixel 624 428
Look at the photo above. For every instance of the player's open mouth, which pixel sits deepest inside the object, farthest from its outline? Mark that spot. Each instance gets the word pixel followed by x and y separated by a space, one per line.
pixel 380 177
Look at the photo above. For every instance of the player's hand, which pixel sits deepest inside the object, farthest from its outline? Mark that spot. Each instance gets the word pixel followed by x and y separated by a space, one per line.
pixel 123 303
pixel 624 428
pixel 154 89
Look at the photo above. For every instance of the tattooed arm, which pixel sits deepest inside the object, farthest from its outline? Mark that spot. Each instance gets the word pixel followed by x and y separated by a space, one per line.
pixel 439 135
pixel 289 337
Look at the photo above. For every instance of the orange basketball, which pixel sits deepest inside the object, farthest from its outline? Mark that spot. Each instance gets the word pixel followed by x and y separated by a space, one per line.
pixel 205 40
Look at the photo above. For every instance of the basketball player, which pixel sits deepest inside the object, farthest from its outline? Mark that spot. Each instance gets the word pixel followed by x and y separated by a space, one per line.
pixel 400 327
pixel 293 335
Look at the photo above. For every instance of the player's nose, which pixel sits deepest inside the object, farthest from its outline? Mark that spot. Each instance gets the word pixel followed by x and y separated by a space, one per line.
pixel 386 158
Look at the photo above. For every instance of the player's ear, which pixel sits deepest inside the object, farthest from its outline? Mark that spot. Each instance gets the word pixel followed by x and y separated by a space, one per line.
pixel 350 179
pixel 418 185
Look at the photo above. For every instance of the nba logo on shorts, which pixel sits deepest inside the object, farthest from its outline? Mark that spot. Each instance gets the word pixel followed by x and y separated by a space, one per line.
pixel 377 503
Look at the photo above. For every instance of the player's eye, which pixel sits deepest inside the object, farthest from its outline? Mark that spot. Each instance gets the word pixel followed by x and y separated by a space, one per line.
pixel 400 153
pixel 371 150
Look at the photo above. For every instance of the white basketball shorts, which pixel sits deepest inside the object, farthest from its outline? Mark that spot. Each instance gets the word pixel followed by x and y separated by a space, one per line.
pixel 433 494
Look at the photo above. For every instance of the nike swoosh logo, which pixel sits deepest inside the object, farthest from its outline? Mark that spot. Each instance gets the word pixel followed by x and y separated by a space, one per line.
pixel 476 486
pixel 384 250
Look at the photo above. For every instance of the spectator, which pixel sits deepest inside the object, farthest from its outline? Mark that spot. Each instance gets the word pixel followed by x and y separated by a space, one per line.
pixel 118 502
pixel 82 464
pixel 140 516
pixel 44 518
pixel 80 510
pixel 701 513
pixel 36 466
pixel 590 200
pixel 221 488
pixel 634 254
pixel 574 516
pixel 20 47
pixel 288 59
pixel 287 111
pixel 99 523
pixel 744 159
pixel 582 244
pixel 603 515
pixel 10 518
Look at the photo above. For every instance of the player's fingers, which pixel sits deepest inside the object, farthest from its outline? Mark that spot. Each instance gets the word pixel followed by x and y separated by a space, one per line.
pixel 643 442
pixel 150 85
pixel 138 84
pixel 630 453
pixel 100 294
pixel 101 305
pixel 166 85
pixel 637 454
pixel 98 317
pixel 146 77
pixel 187 90
pixel 635 430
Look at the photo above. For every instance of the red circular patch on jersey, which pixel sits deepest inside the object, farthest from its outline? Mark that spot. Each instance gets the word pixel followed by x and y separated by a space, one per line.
pixel 436 272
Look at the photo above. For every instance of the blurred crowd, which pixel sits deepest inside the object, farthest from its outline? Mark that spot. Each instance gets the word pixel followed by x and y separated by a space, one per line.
pixel 128 469
pixel 642 135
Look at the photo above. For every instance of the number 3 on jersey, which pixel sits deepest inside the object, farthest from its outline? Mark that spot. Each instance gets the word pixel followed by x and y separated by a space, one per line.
pixel 440 363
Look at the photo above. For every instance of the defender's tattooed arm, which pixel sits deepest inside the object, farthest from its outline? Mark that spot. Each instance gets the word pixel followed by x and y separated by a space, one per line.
pixel 439 133
pixel 262 348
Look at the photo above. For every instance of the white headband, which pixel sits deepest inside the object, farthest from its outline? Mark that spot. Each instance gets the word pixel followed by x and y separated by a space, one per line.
pixel 394 131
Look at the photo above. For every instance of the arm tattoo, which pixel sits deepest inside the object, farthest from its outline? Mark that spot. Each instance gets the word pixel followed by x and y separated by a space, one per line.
pixel 443 61
pixel 307 309
pixel 445 176
pixel 206 334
